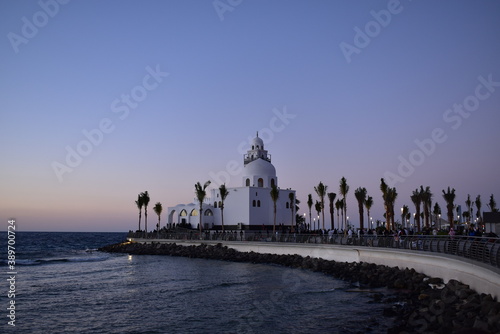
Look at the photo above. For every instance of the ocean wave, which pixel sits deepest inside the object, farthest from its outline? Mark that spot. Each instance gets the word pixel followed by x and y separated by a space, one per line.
pixel 34 262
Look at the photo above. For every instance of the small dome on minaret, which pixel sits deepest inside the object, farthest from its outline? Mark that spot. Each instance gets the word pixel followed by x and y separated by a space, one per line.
pixel 258 170
pixel 257 143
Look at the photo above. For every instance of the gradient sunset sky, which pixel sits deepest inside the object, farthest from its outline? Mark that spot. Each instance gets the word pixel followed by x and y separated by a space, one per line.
pixel 171 92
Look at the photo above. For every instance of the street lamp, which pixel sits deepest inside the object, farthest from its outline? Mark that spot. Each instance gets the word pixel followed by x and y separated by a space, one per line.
pixel 314 224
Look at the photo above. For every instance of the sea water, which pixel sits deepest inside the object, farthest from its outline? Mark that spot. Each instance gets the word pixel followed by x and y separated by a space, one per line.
pixel 64 285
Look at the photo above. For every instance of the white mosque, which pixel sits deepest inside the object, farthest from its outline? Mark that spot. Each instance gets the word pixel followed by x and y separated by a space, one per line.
pixel 248 207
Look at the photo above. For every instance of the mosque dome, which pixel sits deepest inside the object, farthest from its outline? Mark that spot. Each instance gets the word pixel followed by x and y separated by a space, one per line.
pixel 259 167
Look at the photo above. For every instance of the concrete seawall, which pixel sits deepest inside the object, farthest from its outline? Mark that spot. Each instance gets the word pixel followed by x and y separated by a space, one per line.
pixel 483 279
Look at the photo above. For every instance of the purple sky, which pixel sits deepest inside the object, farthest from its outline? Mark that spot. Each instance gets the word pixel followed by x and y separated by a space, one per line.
pixel 169 92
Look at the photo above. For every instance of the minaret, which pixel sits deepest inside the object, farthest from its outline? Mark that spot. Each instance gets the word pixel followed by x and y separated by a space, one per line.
pixel 258 171
pixel 257 151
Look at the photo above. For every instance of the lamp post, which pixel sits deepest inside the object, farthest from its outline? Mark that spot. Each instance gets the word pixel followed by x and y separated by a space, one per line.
pixel 314 224
pixel 305 223
pixel 402 218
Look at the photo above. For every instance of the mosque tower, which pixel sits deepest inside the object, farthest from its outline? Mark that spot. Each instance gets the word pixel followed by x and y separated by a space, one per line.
pixel 258 170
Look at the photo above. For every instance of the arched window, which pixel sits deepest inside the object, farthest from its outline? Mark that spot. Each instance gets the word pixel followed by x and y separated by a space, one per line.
pixel 253 203
pixel 260 182
pixel 252 147
pixel 209 212
pixel 215 205
pixel 184 213
pixel 258 203
pixel 194 212
pixel 272 183
pixel 287 206
pixel 220 204
pixel 247 183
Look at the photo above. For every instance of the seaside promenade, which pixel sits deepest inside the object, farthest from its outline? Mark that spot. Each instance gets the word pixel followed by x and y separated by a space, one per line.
pixel 474 261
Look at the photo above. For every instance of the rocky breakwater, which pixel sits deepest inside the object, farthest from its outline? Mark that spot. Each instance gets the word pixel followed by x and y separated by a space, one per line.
pixel 420 304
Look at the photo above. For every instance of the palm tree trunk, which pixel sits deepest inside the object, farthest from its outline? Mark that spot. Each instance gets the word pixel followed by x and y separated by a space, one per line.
pixel 222 214
pixel 139 220
pixel 201 215
pixel 310 219
pixel 146 222
pixel 331 219
pixel 274 220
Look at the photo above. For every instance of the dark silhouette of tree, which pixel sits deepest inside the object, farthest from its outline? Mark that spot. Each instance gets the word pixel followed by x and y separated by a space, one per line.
pixel 223 194
pixel 145 200
pixel 344 189
pixel 201 193
pixel 492 204
pixel 275 194
pixel 321 192
pixel 158 209
pixel 331 199
pixel 416 198
pixel 310 204
pixel 449 197
pixel 139 204
pixel 360 195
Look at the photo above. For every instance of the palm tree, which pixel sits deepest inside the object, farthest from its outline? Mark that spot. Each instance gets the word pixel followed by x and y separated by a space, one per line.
pixel 291 197
pixel 468 202
pixel 416 198
pixel 317 206
pixel 139 204
pixel 478 207
pixel 449 197
pixel 493 204
pixel 360 195
pixel 383 189
pixel 392 194
pixel 158 209
pixel 201 193
pixel 331 199
pixel 389 196
pixel 339 205
pixel 223 194
pixel 368 206
pixel 426 196
pixel 275 194
pixel 310 204
pixel 344 189
pixel 145 201
pixel 321 191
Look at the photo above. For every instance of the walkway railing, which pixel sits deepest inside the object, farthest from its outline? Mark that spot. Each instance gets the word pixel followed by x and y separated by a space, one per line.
pixel 481 249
